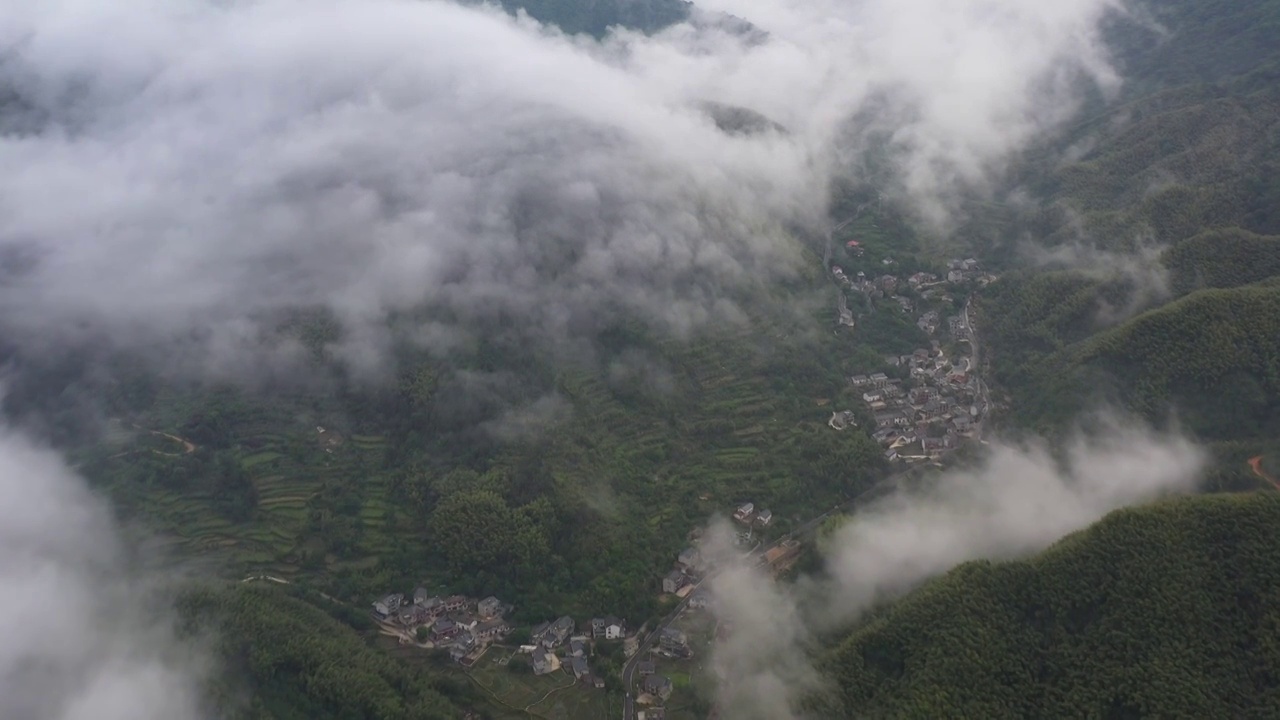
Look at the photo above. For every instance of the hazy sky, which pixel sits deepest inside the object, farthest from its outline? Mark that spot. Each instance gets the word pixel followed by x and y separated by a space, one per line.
pixel 182 165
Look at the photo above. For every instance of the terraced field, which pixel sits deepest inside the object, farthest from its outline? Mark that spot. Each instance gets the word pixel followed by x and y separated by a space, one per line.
pixel 287 471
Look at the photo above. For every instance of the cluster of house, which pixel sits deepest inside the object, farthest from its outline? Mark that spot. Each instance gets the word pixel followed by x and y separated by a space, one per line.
pixel 959 271
pixel 673 643
pixel 463 625
pixel 747 514
pixel 689 566
pixel 575 649
pixel 929 418
pixel 883 286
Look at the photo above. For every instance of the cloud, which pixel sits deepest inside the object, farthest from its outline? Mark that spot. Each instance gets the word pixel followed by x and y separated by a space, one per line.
pixel 82 635
pixel 1141 276
pixel 206 165
pixel 1020 500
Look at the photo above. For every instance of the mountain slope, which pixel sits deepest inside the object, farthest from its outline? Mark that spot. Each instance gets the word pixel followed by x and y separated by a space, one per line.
pixel 296 662
pixel 1167 611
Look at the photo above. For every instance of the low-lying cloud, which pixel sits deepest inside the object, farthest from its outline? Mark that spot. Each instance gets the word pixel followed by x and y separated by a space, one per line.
pixel 1142 279
pixel 1020 500
pixel 82 635
pixel 178 173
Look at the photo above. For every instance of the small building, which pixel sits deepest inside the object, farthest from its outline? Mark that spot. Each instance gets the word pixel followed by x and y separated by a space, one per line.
pixel 422 595
pixel 673 640
pixel 492 629
pixel 434 607
pixel 653 713
pixel 764 517
pixel 744 512
pixel 699 600
pixel 543 662
pixel 454 603
pixel 658 685
pixel 489 607
pixel 674 581
pixel 388 605
pixel 860 381
pixel 464 620
pixel 689 559
pixel 443 629
pixel 578 648
pixel 413 615
pixel 933 446
pixel 580 668
pixel 608 628
pixel 555 633
pixel 879 379
pixel 645 668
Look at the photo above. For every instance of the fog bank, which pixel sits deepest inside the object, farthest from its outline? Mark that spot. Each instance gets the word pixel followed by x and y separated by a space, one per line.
pixel 1021 499
pixel 178 173
pixel 84 635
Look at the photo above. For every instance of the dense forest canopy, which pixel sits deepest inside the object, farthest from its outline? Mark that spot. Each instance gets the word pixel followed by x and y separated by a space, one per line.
pixel 1152 216
pixel 1167 611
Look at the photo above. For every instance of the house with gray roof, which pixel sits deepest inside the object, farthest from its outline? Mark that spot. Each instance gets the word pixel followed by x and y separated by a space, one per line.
pixel 658 685
pixel 388 605
pixel 674 581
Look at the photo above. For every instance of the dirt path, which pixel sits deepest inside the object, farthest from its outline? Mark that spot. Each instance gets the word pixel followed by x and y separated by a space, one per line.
pixel 188 447
pixel 1255 463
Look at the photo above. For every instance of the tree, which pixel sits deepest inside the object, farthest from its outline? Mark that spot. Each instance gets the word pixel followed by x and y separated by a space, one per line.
pixel 474 530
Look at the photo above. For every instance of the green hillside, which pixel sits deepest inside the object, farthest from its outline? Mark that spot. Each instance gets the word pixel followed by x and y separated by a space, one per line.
pixel 1168 611
pixel 289 660
pixel 1222 259
pixel 1211 357
pixel 1153 239
pixel 439 478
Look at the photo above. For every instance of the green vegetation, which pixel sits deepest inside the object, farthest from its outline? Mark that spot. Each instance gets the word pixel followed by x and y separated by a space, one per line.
pixel 1169 198
pixel 556 696
pixel 1222 259
pixel 1166 611
pixel 292 661
pixel 1211 356
pixel 436 479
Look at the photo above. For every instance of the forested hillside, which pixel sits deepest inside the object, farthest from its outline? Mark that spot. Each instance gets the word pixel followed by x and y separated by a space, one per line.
pixel 563 485
pixel 1169 611
pixel 1129 271
pixel 285 659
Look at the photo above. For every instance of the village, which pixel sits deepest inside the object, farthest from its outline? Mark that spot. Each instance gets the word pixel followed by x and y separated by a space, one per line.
pixel 938 401
pixel 467 628
pixel 920 407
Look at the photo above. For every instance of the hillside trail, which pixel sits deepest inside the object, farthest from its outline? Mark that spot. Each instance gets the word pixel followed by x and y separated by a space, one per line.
pixel 187 446
pixel 1256 464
